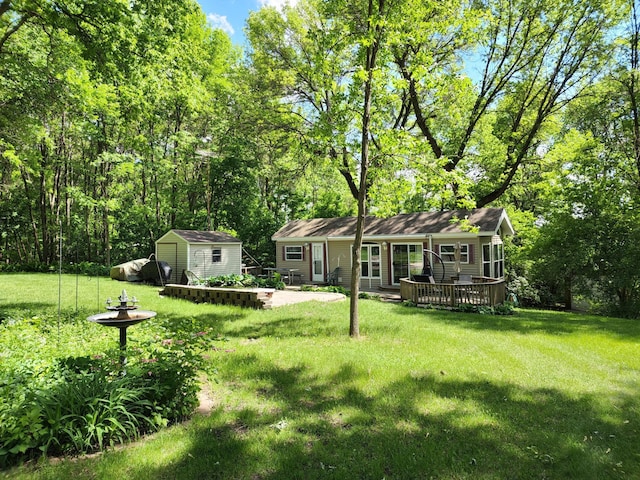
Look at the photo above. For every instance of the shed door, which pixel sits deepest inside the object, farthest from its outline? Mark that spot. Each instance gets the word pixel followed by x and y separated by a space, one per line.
pixel 168 252
pixel 317 262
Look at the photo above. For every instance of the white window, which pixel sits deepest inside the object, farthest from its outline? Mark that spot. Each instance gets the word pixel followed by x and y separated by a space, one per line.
pixel 486 260
pixel 216 255
pixel 493 260
pixel 448 253
pixel 498 260
pixel 370 258
pixel 293 252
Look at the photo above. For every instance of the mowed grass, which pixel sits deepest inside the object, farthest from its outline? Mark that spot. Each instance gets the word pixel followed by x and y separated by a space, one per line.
pixel 423 394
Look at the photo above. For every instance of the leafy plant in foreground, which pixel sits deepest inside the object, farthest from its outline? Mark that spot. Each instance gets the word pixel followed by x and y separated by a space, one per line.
pixel 88 403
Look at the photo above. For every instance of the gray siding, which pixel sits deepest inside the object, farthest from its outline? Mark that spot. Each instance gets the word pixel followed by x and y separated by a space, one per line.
pixel 201 259
pixel 303 266
pixel 340 256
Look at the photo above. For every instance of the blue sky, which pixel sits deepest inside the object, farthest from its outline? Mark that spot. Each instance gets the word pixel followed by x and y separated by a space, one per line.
pixel 230 15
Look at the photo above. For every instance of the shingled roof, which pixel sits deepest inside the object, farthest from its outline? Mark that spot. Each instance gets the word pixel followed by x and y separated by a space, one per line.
pixel 196 236
pixel 487 220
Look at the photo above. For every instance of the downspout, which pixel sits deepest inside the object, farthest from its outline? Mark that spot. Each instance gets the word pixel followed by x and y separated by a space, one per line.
pixel 325 259
pixel 189 257
pixel 430 237
pixel 370 266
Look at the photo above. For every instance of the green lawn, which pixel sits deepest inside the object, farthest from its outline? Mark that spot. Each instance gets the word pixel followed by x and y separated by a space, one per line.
pixel 424 394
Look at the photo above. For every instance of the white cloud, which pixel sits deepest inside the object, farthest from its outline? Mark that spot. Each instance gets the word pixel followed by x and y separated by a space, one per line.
pixel 221 22
pixel 276 3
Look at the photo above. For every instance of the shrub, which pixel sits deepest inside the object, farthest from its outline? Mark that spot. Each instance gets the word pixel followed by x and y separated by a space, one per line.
pixel 82 404
pixel 521 289
pixel 90 269
pixel 245 280
pixel 231 280
pixel 83 268
pixel 327 288
pixel 505 308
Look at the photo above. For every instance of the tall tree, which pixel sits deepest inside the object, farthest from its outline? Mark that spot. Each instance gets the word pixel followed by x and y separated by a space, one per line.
pixel 525 62
pixel 590 235
pixel 330 60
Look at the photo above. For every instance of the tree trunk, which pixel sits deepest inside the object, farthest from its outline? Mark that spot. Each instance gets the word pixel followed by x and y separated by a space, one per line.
pixel 371 57
pixel 568 294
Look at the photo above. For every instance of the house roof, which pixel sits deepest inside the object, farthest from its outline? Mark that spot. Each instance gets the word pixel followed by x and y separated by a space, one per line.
pixel 487 220
pixel 198 236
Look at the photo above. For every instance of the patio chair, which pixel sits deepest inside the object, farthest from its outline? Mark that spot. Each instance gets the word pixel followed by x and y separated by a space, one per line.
pixel 464 279
pixel 332 279
pixel 467 293
pixel 189 278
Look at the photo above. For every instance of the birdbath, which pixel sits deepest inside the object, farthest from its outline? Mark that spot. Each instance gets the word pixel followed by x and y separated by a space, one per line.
pixel 123 315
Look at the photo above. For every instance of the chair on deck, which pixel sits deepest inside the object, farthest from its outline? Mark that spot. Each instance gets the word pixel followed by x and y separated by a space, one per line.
pixel 466 293
pixel 332 278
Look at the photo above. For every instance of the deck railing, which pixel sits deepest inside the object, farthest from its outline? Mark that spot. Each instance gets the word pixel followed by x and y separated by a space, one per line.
pixel 482 291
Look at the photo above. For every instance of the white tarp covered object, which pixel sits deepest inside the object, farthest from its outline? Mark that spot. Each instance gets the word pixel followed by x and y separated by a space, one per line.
pixel 129 271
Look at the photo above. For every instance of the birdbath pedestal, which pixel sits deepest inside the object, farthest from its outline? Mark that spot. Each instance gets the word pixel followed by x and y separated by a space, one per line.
pixel 122 316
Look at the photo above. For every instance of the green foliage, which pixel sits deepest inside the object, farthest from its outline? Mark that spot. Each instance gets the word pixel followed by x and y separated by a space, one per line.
pixel 527 294
pixel 506 308
pixel 55 398
pixel 326 288
pixel 245 280
pixel 83 404
pixel 121 119
pixel 231 280
pixel 82 268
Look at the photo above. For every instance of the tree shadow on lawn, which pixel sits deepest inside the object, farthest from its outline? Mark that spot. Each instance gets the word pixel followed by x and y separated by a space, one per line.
pixel 420 426
pixel 193 323
pixel 308 323
pixel 533 321
pixel 288 327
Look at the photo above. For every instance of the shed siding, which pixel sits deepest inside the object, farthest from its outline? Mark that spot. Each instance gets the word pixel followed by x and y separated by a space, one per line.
pixel 172 249
pixel 200 259
pixel 168 252
pixel 181 256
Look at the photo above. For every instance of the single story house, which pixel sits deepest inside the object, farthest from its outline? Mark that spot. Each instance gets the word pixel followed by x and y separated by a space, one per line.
pixel 468 242
pixel 205 253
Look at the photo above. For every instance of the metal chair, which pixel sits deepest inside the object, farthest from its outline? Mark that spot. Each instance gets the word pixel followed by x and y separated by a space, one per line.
pixel 189 278
pixel 333 276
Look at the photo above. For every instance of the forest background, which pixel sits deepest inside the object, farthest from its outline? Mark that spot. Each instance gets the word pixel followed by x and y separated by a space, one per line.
pixel 121 120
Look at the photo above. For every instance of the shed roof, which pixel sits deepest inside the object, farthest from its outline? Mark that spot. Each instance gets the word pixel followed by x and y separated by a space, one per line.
pixel 487 220
pixel 199 236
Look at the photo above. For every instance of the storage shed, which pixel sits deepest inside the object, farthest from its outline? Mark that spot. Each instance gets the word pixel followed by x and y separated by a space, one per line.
pixel 207 254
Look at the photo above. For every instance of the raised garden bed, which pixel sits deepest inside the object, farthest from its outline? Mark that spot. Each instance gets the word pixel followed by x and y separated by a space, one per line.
pixel 258 298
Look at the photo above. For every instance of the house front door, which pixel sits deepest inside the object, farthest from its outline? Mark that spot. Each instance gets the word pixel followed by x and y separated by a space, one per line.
pixel 317 262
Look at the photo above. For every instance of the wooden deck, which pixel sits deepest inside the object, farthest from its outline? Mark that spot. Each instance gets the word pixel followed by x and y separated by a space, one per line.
pixel 481 291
